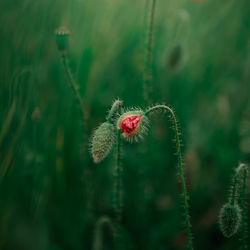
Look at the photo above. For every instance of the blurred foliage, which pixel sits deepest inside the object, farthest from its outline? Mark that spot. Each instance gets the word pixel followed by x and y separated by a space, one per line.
pixel 51 193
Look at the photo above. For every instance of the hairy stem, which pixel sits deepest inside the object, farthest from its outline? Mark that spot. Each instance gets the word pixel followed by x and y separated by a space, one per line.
pixel 84 142
pixel 115 108
pixel 118 195
pixel 72 82
pixel 234 187
pixel 243 207
pixel 147 86
pixel 180 170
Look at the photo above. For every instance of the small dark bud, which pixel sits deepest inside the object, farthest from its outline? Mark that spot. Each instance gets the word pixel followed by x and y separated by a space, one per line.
pixel 62 39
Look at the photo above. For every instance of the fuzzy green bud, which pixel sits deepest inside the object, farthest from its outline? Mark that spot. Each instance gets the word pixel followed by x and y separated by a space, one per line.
pixel 102 141
pixel 230 219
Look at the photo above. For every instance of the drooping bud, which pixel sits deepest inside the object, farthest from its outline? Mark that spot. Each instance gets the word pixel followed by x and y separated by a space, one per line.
pixel 102 141
pixel 134 124
pixel 230 219
pixel 62 39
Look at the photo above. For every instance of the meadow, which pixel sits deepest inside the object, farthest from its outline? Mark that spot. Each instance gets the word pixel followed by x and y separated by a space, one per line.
pixel 195 60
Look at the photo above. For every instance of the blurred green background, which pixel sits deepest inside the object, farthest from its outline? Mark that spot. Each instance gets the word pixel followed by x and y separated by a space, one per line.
pixel 51 193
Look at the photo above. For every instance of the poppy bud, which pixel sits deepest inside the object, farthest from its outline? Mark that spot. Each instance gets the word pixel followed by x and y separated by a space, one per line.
pixel 230 219
pixel 102 141
pixel 62 39
pixel 133 124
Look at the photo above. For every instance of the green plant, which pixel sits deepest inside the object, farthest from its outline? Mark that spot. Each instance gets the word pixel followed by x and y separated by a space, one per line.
pixel 62 41
pixel 134 125
pixel 232 215
pixel 243 180
pixel 118 190
pixel 102 141
pixel 230 219
pixel 101 144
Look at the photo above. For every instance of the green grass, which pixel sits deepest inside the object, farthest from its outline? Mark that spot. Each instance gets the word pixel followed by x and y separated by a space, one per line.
pixel 51 193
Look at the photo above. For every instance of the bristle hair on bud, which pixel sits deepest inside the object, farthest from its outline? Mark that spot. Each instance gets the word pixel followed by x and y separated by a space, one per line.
pixel 102 141
pixel 230 219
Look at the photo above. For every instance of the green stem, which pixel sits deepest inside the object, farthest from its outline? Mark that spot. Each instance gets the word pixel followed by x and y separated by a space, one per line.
pixel 87 171
pixel 118 195
pixel 180 170
pixel 115 108
pixel 243 207
pixel 235 184
pixel 147 86
pixel 73 84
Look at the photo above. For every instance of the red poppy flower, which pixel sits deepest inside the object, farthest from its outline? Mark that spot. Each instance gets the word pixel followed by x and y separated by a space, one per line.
pixel 133 124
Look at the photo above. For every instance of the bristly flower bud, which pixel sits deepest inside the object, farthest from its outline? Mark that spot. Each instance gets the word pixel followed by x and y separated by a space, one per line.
pixel 134 125
pixel 230 219
pixel 62 39
pixel 102 141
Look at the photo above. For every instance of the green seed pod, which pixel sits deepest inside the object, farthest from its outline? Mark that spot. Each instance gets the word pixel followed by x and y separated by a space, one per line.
pixel 102 141
pixel 230 219
pixel 62 39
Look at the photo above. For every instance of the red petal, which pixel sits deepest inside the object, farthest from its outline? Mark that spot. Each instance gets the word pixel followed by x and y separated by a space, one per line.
pixel 130 123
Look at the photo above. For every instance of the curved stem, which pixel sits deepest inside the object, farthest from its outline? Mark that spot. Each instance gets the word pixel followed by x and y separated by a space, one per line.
pixel 98 235
pixel 148 64
pixel 115 108
pixel 73 84
pixel 238 170
pixel 180 170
